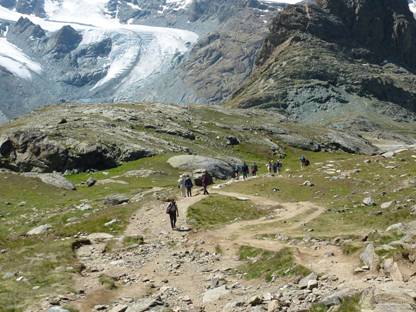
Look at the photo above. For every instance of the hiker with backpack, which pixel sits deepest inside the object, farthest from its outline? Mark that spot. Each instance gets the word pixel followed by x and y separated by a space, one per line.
pixel 245 170
pixel 173 212
pixel 188 185
pixel 303 162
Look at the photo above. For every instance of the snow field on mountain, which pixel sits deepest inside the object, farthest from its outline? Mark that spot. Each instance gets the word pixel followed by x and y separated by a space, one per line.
pixel 16 61
pixel 137 51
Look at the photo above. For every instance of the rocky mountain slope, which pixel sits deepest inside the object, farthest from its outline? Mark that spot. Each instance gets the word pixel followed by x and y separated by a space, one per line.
pixel 337 60
pixel 105 51
pixel 70 137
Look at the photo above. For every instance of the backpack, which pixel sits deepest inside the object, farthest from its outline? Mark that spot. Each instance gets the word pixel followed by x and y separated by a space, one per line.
pixel 171 208
pixel 188 183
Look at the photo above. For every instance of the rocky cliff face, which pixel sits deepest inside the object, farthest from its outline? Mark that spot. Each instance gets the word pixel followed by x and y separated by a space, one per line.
pixel 334 58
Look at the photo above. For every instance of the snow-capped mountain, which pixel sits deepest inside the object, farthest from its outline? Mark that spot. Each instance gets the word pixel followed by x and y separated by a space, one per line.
pixel 177 51
pixel 79 50
pixel 103 50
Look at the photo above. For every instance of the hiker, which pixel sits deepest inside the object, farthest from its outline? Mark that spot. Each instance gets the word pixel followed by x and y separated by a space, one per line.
pixel 269 167
pixel 181 185
pixel 254 170
pixel 304 162
pixel 173 212
pixel 188 185
pixel 277 166
pixel 245 170
pixel 206 180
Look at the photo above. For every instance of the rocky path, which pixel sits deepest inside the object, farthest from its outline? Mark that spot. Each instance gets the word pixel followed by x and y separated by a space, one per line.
pixel 182 269
pixel 324 259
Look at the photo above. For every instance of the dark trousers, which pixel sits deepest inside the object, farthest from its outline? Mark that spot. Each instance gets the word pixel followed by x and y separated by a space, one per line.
pixel 189 191
pixel 205 190
pixel 172 217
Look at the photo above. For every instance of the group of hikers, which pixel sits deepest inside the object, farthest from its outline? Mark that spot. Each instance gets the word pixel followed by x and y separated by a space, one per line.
pixel 245 171
pixel 185 183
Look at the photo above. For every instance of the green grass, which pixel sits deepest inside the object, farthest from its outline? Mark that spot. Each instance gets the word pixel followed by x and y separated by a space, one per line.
pixel 350 248
pixel 266 264
pixel 217 210
pixel 165 174
pixel 44 261
pixel 345 213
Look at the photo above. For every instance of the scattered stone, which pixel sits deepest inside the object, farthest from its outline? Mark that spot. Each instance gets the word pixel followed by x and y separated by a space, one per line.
pixel 304 282
pixel 110 223
pixel 42 229
pixel 84 207
pixel 119 308
pixel 99 237
pixel 57 309
pixel 144 305
pixel 312 284
pixel 91 182
pixel 232 140
pixel 336 298
pixel 117 199
pixel 386 205
pixel 274 306
pixel 254 301
pixel 308 183
pixel 391 268
pixel 215 294
pixel 399 227
pixel 369 201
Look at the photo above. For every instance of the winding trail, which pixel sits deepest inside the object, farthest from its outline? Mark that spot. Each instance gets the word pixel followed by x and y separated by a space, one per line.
pixel 321 259
pixel 163 245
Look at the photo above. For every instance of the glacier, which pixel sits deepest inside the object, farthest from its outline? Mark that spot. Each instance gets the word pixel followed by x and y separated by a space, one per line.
pixel 138 52
pixel 16 61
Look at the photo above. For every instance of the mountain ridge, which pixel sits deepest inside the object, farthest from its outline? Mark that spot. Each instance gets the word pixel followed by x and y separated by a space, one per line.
pixel 316 65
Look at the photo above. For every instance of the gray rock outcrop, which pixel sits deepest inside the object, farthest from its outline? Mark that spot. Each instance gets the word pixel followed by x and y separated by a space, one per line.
pixel 216 167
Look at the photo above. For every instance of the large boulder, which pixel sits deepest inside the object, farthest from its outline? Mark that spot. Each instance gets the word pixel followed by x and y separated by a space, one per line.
pixel 54 179
pixel 369 257
pixel 221 169
pixel 42 229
